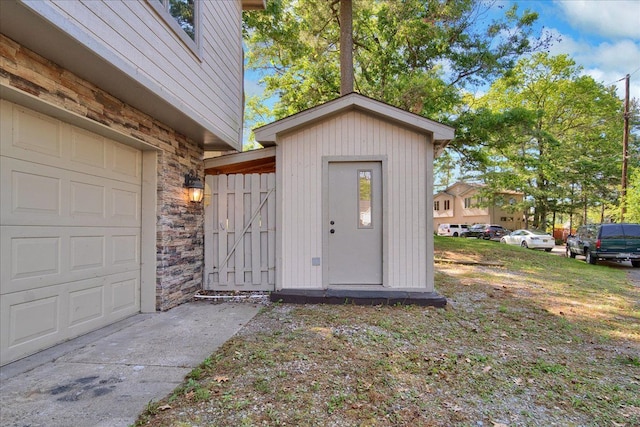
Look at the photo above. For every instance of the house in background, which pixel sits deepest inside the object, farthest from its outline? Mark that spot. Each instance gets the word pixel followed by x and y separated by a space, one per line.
pixel 106 107
pixel 463 203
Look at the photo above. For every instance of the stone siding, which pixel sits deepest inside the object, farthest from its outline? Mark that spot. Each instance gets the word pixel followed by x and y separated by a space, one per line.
pixel 180 232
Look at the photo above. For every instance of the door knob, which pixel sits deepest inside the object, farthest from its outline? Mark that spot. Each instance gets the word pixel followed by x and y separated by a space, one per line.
pixel 332 231
pixel 332 222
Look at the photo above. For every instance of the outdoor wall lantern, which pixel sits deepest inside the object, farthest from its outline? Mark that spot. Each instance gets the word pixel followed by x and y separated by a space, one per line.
pixel 194 187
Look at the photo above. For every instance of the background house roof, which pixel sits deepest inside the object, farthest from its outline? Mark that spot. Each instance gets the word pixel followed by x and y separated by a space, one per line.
pixel 466 187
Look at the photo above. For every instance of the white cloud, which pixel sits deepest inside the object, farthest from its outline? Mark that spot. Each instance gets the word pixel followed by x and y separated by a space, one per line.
pixel 606 62
pixel 610 18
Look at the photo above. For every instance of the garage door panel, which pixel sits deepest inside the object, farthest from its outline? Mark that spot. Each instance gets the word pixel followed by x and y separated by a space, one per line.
pixel 45 201
pixel 39 139
pixel 88 149
pixel 33 257
pixel 125 295
pixel 57 197
pixel 86 304
pixel 32 319
pixel 70 217
pixel 86 252
pixel 127 162
pixel 87 200
pixel 125 206
pixel 125 249
pixel 37 319
pixel 36 132
pixel 92 302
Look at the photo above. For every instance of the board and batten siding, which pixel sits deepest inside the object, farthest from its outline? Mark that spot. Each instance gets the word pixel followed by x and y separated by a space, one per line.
pixel 131 34
pixel 354 133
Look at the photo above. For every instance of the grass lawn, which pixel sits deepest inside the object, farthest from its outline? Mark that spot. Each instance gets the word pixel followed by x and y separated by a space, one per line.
pixel 540 341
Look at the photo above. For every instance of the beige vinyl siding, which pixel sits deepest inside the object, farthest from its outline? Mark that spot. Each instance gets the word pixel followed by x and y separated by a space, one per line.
pixel 207 83
pixel 353 134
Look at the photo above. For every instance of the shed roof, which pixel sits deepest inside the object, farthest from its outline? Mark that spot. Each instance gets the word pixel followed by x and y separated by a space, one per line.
pixel 254 161
pixel 442 134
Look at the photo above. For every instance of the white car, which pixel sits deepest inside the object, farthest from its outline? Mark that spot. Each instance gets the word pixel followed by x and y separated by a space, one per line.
pixel 530 239
pixel 454 230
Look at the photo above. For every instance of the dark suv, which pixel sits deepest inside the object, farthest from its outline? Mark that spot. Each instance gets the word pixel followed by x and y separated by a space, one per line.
pixel 494 232
pixel 476 231
pixel 485 231
pixel 614 242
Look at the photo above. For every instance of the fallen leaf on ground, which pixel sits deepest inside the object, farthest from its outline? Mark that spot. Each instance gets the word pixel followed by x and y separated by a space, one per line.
pixel 221 379
pixel 487 369
pixel 164 407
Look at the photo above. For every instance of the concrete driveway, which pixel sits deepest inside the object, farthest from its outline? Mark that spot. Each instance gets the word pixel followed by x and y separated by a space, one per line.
pixel 107 377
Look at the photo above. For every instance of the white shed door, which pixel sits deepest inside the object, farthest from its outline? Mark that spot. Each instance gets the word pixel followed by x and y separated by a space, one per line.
pixel 355 223
pixel 70 231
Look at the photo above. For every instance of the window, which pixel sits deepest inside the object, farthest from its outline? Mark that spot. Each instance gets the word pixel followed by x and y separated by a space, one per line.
pixel 436 205
pixel 364 198
pixel 447 205
pixel 467 202
pixel 182 17
pixel 183 11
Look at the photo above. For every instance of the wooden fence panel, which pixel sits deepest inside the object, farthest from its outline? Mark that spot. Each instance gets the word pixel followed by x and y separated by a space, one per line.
pixel 240 233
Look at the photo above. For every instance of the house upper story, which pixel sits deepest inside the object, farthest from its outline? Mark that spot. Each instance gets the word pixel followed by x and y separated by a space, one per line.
pixel 467 203
pixel 181 61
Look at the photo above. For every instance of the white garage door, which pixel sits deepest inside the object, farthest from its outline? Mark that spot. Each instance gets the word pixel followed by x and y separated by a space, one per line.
pixel 70 231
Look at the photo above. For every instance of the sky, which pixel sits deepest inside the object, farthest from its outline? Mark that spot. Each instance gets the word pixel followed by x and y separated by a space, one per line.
pixel 602 36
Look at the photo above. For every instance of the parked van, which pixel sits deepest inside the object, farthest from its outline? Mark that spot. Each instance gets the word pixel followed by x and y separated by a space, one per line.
pixel 613 242
pixel 454 230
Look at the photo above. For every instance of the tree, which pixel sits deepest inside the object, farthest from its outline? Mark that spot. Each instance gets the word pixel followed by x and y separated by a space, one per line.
pixel 414 54
pixel 633 197
pixel 554 134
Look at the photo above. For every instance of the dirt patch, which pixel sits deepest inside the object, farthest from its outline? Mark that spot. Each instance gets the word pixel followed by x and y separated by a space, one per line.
pixel 634 277
pixel 517 347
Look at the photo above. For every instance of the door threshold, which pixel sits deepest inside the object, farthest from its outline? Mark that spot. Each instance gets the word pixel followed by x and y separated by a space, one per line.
pixel 359 296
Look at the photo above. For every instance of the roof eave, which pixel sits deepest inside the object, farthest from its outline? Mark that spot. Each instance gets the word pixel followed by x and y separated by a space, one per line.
pixel 441 134
pixel 254 4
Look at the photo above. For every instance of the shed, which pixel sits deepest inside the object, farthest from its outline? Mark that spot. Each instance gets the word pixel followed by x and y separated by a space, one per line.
pixel 354 190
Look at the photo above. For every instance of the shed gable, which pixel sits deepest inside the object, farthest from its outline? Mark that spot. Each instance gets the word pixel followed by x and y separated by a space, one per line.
pixel 438 134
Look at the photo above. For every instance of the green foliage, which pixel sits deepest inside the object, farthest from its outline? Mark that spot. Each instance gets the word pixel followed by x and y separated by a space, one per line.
pixel 633 197
pixel 543 128
pixel 401 51
pixel 548 131
pixel 183 12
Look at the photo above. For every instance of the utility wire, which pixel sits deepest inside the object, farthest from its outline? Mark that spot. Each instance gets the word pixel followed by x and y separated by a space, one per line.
pixel 630 74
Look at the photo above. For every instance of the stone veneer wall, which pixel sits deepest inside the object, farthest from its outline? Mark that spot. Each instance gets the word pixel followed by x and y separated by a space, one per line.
pixel 180 233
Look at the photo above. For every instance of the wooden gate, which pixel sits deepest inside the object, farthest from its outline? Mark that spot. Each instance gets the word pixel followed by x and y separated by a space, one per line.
pixel 239 244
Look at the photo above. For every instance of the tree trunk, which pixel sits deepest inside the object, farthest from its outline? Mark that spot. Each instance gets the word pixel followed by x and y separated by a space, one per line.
pixel 346 47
